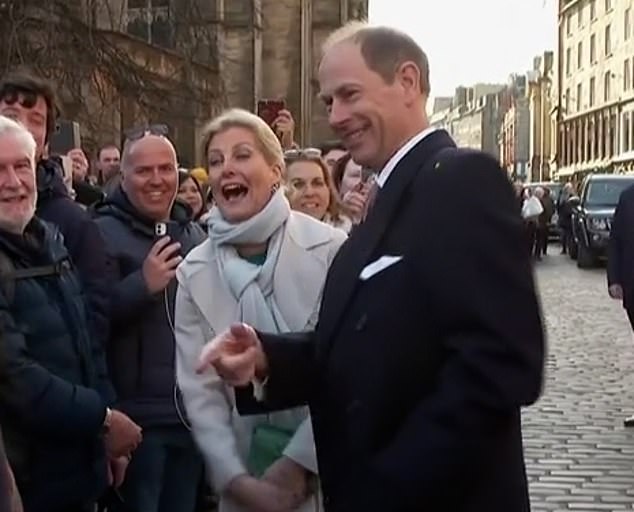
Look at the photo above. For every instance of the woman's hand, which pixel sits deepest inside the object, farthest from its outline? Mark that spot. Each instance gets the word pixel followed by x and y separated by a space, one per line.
pixel 261 495
pixel 289 475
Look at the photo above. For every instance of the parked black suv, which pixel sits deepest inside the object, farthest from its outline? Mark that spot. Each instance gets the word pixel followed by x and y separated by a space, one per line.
pixel 592 214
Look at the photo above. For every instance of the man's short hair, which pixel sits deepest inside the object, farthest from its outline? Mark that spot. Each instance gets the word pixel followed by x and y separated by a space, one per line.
pixel 104 147
pixel 24 84
pixel 384 49
pixel 330 145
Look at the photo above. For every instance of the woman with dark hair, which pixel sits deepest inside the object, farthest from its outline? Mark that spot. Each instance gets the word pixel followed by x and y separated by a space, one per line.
pixel 348 180
pixel 191 193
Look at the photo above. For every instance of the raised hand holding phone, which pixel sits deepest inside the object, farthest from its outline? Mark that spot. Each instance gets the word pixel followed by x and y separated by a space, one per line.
pixel 159 267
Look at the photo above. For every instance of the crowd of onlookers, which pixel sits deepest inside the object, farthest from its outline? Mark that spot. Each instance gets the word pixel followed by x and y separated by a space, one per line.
pixel 94 407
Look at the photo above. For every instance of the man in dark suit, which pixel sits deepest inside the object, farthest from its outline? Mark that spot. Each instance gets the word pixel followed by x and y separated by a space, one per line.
pixel 430 336
pixel 620 258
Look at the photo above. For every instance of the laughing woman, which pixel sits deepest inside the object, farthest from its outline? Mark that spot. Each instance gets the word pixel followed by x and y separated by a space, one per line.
pixel 265 265
pixel 310 189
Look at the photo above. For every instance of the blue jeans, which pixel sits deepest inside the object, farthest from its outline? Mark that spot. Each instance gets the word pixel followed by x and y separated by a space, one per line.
pixel 164 473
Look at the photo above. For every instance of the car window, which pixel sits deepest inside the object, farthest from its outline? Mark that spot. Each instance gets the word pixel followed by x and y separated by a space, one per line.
pixel 606 193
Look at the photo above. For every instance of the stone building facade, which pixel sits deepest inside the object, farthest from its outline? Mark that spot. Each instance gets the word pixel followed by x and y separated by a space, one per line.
pixel 231 52
pixel 542 140
pixel 259 49
pixel 595 86
pixel 472 117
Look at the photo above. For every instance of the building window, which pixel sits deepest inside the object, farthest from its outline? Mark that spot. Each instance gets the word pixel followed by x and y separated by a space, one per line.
pixel 627 27
pixel 593 49
pixel 627 144
pixel 161 32
pixel 613 139
pixel 580 17
pixel 579 55
pixel 608 5
pixel 568 24
pixel 150 21
pixel 579 91
pixel 567 101
pixel 608 40
pixel 138 28
pixel 593 10
pixel 568 60
pixel 606 86
pixel 592 92
pixel 627 76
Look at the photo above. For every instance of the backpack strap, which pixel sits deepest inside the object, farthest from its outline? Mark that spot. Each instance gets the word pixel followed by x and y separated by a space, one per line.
pixel 9 274
pixel 29 273
pixel 7 284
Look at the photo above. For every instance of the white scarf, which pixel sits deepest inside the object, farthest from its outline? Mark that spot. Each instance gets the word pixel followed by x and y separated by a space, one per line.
pixel 252 285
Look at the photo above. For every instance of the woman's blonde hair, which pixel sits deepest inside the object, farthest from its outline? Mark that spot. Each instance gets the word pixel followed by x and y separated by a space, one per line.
pixel 265 137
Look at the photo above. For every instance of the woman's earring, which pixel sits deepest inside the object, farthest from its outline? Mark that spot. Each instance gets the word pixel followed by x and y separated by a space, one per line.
pixel 275 187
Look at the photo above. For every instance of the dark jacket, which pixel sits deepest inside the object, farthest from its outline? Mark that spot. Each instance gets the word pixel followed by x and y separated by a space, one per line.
pixel 87 194
pixel 549 210
pixel 415 400
pixel 141 346
pixel 53 405
pixel 81 237
pixel 621 247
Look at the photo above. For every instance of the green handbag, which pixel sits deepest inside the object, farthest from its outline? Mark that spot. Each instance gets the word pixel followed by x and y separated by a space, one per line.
pixel 267 445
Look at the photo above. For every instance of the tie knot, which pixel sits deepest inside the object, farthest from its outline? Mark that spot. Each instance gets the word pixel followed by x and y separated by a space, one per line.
pixel 371 198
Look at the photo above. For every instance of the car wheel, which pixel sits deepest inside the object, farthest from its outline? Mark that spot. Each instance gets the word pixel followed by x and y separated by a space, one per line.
pixel 585 257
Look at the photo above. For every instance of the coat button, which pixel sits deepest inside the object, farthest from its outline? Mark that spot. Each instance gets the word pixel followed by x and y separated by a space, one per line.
pixel 361 323
pixel 354 406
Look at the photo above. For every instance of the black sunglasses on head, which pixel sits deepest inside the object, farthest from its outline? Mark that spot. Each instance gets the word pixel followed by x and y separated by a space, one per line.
pixel 25 97
pixel 137 133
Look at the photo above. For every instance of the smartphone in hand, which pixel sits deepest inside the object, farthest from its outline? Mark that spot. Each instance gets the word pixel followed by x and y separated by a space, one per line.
pixel 268 110
pixel 163 229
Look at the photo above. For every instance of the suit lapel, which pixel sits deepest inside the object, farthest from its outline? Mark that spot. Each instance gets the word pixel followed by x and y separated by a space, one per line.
pixel 355 255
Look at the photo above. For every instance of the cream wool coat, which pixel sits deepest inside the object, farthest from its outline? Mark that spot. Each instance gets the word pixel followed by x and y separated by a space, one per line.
pixel 205 306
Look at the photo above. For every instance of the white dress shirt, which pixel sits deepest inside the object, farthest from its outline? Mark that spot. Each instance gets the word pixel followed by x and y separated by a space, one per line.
pixel 385 173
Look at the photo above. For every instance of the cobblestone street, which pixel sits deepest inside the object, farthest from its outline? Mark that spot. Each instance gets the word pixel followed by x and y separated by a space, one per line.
pixel 579 456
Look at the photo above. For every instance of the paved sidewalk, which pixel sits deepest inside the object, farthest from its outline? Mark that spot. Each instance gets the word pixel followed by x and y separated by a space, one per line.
pixel 579 456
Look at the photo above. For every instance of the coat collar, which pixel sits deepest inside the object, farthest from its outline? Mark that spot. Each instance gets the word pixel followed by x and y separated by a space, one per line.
pixel 298 282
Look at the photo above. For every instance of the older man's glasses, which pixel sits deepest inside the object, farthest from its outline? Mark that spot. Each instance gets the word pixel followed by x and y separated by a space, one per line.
pixel 295 154
pixel 139 132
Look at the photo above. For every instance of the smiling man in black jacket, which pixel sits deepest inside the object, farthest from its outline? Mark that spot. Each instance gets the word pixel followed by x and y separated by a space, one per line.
pixel 54 410
pixel 165 470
